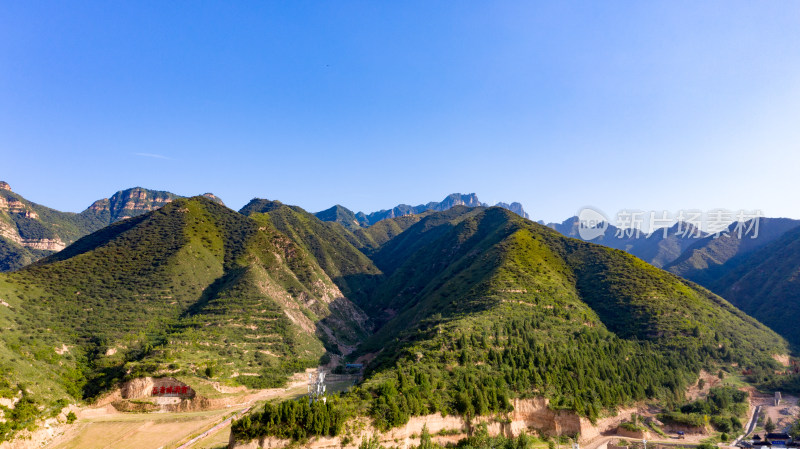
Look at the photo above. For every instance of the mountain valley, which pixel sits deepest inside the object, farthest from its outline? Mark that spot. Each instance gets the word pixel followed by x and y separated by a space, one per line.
pixel 468 311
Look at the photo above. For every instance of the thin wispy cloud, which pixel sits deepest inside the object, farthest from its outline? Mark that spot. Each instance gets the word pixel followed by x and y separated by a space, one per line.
pixel 152 155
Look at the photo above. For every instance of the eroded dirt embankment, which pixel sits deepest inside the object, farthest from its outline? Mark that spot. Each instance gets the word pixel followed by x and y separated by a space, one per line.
pixel 529 416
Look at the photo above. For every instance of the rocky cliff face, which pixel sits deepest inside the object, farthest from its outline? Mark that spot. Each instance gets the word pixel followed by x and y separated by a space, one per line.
pixel 44 244
pixel 456 199
pixel 132 202
pixel 213 198
pixel 25 236
pixel 20 223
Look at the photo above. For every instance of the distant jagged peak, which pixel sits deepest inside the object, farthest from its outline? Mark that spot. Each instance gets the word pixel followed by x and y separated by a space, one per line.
pixel 5 186
pixel 514 207
pixel 354 220
pixel 458 199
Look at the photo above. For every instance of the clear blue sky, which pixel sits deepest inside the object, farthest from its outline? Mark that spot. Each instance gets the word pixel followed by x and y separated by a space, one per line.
pixel 558 105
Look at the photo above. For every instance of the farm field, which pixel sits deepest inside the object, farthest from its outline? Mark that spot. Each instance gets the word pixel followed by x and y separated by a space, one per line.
pixel 218 440
pixel 152 430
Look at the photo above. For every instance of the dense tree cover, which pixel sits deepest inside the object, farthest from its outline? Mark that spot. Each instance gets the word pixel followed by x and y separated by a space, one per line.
pixel 478 373
pixel 14 256
pixel 787 381
pixel 370 239
pixel 722 409
pixel 176 274
pixel 295 419
pixel 30 228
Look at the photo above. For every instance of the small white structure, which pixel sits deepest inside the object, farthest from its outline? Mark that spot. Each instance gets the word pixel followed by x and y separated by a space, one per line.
pixel 316 386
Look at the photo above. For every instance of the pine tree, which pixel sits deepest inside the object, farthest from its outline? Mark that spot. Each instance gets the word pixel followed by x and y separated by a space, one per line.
pixel 769 426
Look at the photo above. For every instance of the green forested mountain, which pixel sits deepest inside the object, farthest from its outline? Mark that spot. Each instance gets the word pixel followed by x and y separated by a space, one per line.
pixel 328 242
pixel 480 306
pixel 457 311
pixel 192 285
pixel 370 239
pixel 766 284
pixel 343 216
pixel 744 269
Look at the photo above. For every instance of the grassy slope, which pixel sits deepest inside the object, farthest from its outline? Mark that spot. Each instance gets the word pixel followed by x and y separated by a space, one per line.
pixel 352 271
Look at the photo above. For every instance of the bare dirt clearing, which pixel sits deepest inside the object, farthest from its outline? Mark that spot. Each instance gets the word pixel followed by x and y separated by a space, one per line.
pixel 783 415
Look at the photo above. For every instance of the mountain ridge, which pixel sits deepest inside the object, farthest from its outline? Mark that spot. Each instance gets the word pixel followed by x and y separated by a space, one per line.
pixel 352 220
pixel 457 311
pixel 29 231
pixel 480 306
pixel 192 285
